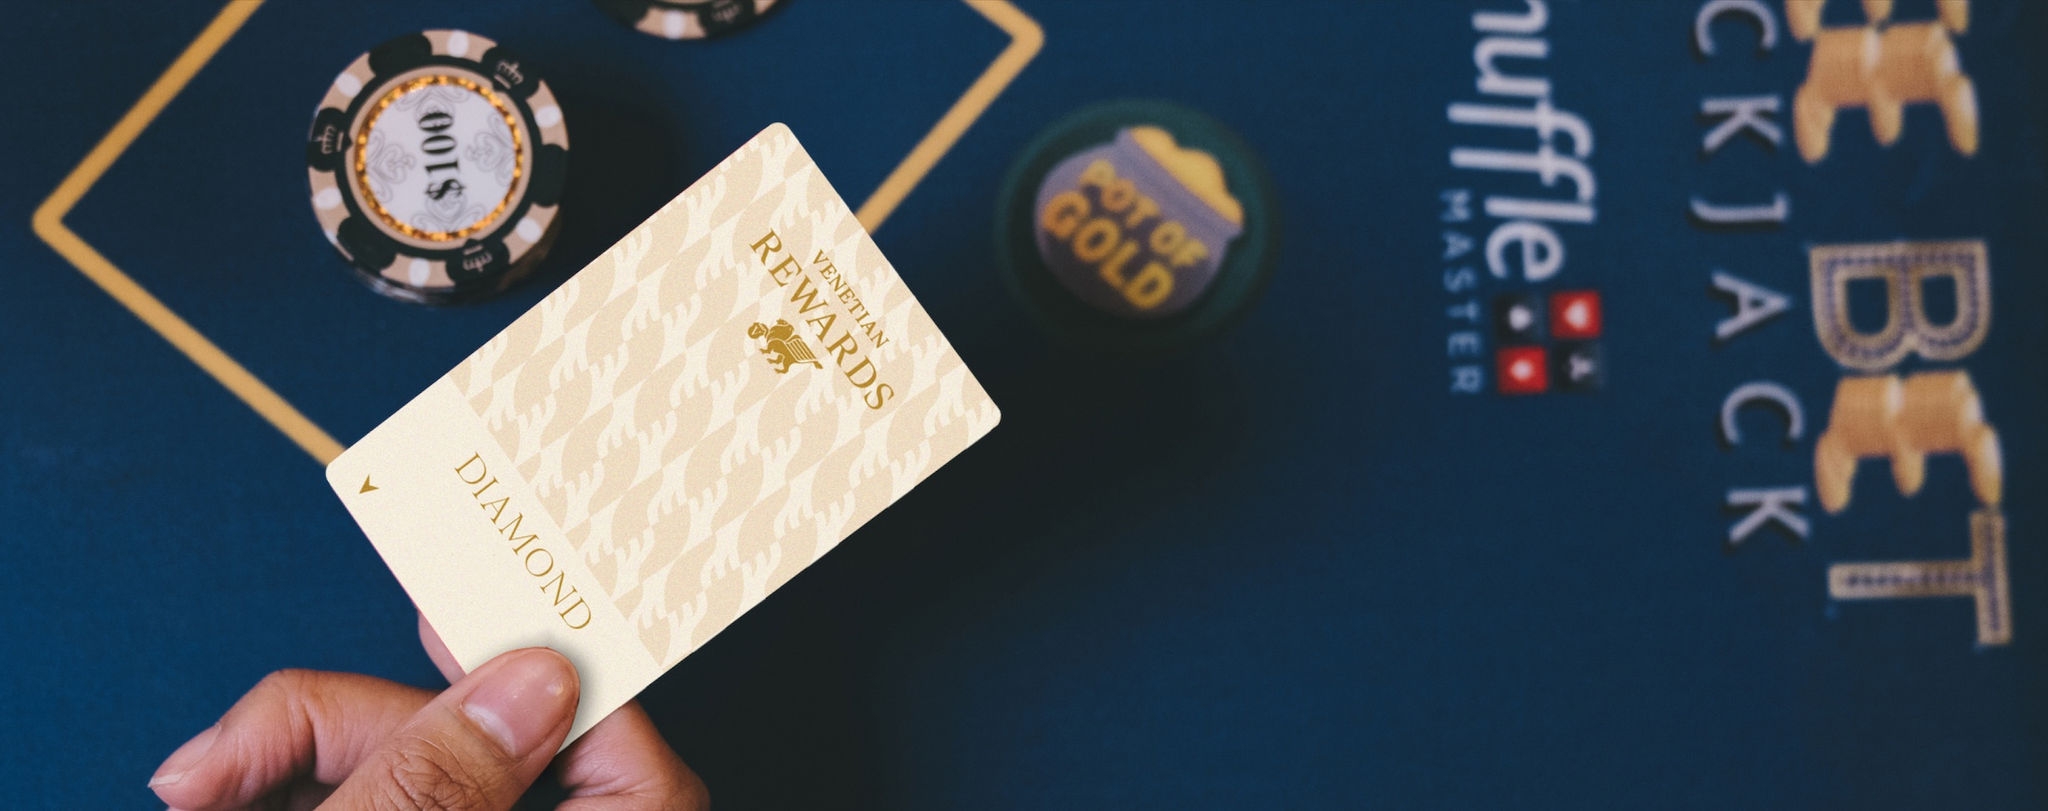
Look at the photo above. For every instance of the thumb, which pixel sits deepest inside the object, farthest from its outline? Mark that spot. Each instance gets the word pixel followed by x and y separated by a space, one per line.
pixel 477 746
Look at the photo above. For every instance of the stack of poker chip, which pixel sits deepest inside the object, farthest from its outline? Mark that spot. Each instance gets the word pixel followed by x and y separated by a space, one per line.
pixel 687 19
pixel 1136 225
pixel 436 164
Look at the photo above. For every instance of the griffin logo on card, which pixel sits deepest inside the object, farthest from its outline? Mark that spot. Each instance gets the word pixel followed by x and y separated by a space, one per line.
pixel 782 345
pixel 616 476
pixel 815 304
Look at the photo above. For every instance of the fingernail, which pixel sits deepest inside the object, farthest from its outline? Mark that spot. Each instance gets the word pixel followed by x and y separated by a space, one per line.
pixel 180 763
pixel 523 699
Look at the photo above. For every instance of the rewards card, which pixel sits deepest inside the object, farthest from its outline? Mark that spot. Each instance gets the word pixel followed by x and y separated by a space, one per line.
pixel 668 437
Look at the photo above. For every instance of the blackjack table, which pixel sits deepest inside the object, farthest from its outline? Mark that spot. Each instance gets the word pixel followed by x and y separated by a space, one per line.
pixel 1602 404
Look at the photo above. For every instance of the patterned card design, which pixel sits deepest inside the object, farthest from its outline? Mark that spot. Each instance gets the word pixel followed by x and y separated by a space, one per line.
pixel 696 416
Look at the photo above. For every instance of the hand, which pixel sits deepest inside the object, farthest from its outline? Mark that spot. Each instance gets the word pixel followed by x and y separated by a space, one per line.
pixel 306 738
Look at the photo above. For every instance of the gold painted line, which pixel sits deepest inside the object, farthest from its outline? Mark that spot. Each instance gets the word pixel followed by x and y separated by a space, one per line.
pixel 49 224
pixel 1026 38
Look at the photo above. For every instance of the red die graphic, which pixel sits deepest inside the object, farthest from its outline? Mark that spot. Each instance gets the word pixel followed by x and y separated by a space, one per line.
pixel 1523 370
pixel 1575 315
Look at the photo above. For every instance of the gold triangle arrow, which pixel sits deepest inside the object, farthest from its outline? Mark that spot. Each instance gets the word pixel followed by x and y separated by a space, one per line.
pixel 367 486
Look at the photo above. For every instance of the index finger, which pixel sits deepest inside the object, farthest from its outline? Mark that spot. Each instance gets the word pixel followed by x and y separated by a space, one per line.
pixel 623 763
pixel 293 725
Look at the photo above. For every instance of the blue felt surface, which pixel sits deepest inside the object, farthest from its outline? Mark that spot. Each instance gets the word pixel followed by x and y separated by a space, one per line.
pixel 1287 568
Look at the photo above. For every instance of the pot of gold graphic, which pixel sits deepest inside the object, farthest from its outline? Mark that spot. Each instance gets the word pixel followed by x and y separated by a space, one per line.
pixel 1138 227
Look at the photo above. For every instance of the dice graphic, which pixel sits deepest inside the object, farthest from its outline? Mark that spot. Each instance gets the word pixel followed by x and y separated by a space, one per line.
pixel 1522 370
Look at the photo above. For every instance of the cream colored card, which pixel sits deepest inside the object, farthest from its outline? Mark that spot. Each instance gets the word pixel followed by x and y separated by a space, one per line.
pixel 671 435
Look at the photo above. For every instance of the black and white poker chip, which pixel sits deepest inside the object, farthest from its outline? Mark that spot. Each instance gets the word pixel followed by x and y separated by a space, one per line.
pixel 436 164
pixel 687 19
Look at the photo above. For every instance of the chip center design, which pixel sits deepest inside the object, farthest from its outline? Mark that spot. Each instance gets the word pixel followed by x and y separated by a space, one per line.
pixel 438 157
